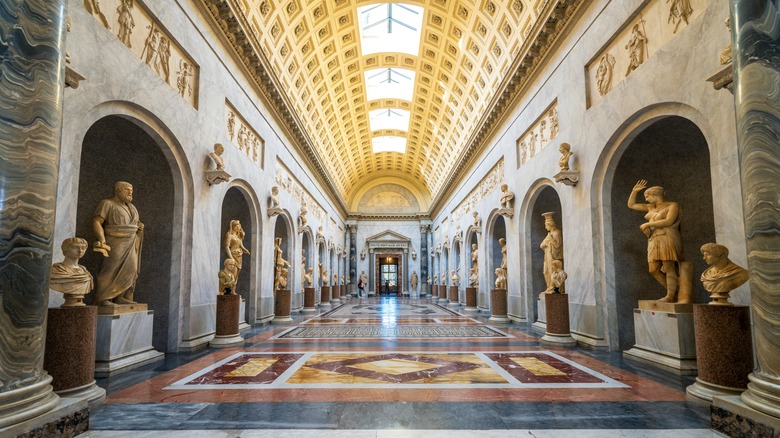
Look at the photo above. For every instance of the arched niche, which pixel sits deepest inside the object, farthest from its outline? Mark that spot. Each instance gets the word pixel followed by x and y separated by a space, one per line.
pixel 321 263
pixel 671 152
pixel 307 254
pixel 122 148
pixel 471 240
pixel 445 265
pixel 544 200
pixel 496 229
pixel 457 246
pixel 283 230
pixel 236 205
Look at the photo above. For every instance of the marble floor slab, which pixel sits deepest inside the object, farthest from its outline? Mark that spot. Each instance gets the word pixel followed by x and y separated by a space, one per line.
pixel 395 433
pixel 397 331
pixel 389 310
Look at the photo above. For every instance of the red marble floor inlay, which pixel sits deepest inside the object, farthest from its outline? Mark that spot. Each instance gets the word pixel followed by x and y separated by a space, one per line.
pixel 566 373
pixel 241 370
pixel 443 368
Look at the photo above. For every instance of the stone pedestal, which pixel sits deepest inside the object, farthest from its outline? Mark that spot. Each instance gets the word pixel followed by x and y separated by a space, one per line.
pixel 335 290
pixel 664 335
pixel 325 297
pixel 443 295
pixel 343 296
pixel 124 342
pixel 540 325
pixel 282 307
pixel 453 297
pixel 242 324
pixel 498 303
pixel 557 308
pixel 70 353
pixel 471 299
pixel 434 293
pixel 308 300
pixel 724 350
pixel 227 322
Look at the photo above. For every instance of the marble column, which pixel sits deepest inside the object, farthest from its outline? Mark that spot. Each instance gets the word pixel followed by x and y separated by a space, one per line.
pixel 32 35
pixel 371 268
pixel 424 259
pixel 352 229
pixel 755 26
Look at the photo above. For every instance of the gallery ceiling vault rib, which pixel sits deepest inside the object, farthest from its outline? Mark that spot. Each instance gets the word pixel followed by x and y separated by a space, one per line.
pixel 474 57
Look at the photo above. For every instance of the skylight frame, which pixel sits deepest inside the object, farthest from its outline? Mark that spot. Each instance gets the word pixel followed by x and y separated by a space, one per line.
pixel 390 27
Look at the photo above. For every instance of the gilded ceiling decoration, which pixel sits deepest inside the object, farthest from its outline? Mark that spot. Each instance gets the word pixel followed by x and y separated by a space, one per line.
pixel 472 58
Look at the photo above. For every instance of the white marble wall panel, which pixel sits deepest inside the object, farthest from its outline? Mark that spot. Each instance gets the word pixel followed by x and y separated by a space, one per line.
pixel 123 335
pixel 666 333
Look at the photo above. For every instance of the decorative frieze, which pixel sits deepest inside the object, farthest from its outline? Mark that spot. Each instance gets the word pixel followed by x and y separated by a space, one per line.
pixel 540 134
pixel 491 180
pixel 135 26
pixel 640 38
pixel 291 185
pixel 242 135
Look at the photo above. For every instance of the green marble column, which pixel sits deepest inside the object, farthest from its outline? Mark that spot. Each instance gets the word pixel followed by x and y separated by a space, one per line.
pixel 756 33
pixel 32 67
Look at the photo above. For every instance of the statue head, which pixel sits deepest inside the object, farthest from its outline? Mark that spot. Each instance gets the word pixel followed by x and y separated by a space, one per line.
pixel 656 191
pixel 504 187
pixel 123 191
pixel 713 252
pixel 549 221
pixel 275 190
pixel 229 264
pixel 502 241
pixel 74 247
pixel 564 148
pixel 218 148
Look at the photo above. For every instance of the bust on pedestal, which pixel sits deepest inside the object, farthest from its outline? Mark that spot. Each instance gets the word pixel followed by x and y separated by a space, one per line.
pixel 228 308
pixel 557 309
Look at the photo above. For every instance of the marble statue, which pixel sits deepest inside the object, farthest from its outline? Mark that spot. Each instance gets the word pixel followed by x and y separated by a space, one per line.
pixel 473 278
pixel 506 197
pixel 227 277
pixel 342 280
pixel 363 277
pixel 454 278
pixel 679 11
pixel 443 278
pixel 664 244
pixel 559 276
pixel 552 245
pixel 234 245
pixel 429 280
pixel 217 175
pixel 325 276
pixel 216 156
pixel 477 220
pixel 302 218
pixel 414 255
pixel 500 278
pixel 273 201
pixel 280 265
pixel 502 244
pixel 362 254
pixel 435 280
pixel 126 21
pixel 308 277
pixel 722 276
pixel 724 57
pixel 474 259
pixel 280 279
pixel 566 153
pixel 303 267
pixel 319 233
pixel 335 279
pixel 120 236
pixel 604 73
pixel 637 48
pixel 414 281
pixel 68 276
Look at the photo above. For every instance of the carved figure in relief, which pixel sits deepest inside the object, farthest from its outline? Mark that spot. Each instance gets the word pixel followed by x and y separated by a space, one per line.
pixel 558 276
pixel 532 139
pixel 414 255
pixel 231 124
pixel 120 236
pixel 637 47
pixel 722 276
pixel 542 131
pixel 553 123
pixel 234 244
pixel 552 245
pixel 93 7
pixel 164 59
pixel 184 81
pixel 506 196
pixel 152 43
pixel 604 73
pixel 216 156
pixel 664 244
pixel 227 277
pixel 241 138
pixel 566 153
pixel 363 254
pixel 679 11
pixel 280 265
pixel 68 276
pixel 500 278
pixel 126 21
pixel 523 152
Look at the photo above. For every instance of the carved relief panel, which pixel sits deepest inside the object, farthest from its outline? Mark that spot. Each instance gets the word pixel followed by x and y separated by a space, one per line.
pixel 288 183
pixel 243 136
pixel 134 25
pixel 539 135
pixel 491 180
pixel 657 23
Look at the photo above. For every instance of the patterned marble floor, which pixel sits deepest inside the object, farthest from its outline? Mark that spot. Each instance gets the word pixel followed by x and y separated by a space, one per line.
pixel 397 364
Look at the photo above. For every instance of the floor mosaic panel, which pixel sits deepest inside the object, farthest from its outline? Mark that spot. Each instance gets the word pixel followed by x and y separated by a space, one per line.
pixel 388 310
pixel 531 369
pixel 403 331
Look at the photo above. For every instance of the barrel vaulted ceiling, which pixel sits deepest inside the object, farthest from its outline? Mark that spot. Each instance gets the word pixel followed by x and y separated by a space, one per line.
pixel 427 77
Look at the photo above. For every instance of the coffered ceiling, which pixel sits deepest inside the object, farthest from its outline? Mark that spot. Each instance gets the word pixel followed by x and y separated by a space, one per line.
pixel 452 67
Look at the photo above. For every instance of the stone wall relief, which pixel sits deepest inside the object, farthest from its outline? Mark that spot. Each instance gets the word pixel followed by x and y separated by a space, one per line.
pixel 654 25
pixel 288 183
pixel 154 46
pixel 491 180
pixel 243 136
pixel 539 135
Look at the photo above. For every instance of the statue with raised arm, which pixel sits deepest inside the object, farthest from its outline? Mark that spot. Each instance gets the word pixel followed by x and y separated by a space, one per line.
pixel 68 276
pixel 552 245
pixel 234 245
pixel 280 265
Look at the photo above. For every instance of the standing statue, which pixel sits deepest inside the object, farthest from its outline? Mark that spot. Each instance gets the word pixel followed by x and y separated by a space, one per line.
pixel 664 244
pixel 227 278
pixel 302 218
pixel 477 221
pixel 303 267
pixel 415 280
pixel 502 243
pixel 501 278
pixel 68 276
pixel 474 260
pixel 273 201
pixel 234 245
pixel 558 276
pixel 722 276
pixel 637 49
pixel 280 265
pixel 335 279
pixel 120 236
pixel 552 245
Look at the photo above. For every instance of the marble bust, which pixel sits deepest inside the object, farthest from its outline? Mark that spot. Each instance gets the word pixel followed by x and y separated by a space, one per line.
pixel 558 276
pixel 227 278
pixel 218 175
pixel 722 276
pixel 216 156
pixel 506 197
pixel 500 278
pixel 566 153
pixel 362 254
pixel 68 276
pixel 454 277
pixel 307 278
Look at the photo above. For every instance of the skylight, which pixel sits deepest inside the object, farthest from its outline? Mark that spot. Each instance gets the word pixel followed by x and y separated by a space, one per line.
pixel 389 118
pixel 390 27
pixel 388 143
pixel 389 83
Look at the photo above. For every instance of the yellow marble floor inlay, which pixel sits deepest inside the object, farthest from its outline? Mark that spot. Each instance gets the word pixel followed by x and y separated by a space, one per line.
pixel 394 366
pixel 537 367
pixel 253 367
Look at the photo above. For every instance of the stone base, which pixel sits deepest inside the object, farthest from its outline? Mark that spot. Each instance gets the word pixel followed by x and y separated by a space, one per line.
pixel 702 391
pixel 228 307
pixel 563 340
pixel 70 347
pixel 665 338
pixel 282 307
pixel 308 300
pixel 69 417
pixel 93 394
pixel 124 342
pixel 732 417
pixel 541 308
pixel 121 309
pixel 724 353
pixel 659 306
pixel 223 341
pixel 557 312
pixel 471 299
pixel 498 303
pixel 453 294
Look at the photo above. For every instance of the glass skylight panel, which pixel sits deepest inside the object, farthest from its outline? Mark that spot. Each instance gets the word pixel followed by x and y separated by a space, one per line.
pixel 395 83
pixel 389 118
pixel 390 27
pixel 388 143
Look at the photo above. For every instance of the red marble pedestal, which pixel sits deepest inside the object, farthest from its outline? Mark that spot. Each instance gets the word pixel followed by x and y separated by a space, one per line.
pixel 70 353
pixel 498 305
pixel 325 296
pixel 724 351
pixel 282 306
pixel 228 309
pixel 471 299
pixel 308 300
pixel 454 296
pixel 557 314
